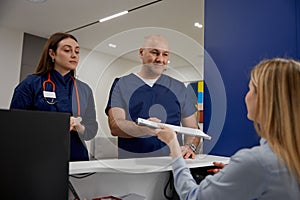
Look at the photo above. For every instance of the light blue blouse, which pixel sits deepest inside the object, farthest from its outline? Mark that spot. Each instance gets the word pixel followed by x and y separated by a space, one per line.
pixel 251 174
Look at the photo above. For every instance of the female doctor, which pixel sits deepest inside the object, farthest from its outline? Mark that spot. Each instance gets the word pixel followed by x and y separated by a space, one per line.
pixel 53 87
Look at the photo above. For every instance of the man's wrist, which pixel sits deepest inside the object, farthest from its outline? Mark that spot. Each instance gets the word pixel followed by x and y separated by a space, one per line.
pixel 193 147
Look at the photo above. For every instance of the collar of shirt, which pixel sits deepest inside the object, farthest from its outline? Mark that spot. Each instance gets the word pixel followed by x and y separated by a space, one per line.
pixel 61 79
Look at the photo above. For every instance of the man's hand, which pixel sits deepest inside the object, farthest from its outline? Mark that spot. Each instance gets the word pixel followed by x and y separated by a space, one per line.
pixel 187 152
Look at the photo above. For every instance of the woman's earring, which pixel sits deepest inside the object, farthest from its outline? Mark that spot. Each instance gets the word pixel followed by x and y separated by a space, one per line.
pixel 53 60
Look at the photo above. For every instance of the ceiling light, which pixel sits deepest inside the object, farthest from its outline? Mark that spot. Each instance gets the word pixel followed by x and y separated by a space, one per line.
pixel 198 25
pixel 112 45
pixel 113 16
pixel 110 17
pixel 126 11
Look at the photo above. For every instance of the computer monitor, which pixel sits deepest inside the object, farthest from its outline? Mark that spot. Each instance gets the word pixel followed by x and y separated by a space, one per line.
pixel 34 153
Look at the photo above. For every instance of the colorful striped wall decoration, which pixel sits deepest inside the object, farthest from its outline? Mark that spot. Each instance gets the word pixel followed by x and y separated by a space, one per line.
pixel 200 101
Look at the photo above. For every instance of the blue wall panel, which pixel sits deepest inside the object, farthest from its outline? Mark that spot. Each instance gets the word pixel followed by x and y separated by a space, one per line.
pixel 238 34
pixel 297 24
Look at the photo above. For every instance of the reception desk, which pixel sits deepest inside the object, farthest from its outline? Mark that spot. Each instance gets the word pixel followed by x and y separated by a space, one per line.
pixel 143 176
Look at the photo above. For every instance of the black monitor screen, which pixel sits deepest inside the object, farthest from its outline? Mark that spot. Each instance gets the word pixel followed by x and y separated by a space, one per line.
pixel 34 154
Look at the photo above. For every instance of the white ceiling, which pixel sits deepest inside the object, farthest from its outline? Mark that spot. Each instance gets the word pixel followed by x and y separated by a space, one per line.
pixel 43 19
pixel 179 16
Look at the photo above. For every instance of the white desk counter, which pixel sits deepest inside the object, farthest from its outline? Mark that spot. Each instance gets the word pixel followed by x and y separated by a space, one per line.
pixel 144 176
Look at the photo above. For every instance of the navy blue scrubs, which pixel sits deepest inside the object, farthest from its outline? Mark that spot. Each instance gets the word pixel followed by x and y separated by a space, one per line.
pixel 29 95
pixel 168 100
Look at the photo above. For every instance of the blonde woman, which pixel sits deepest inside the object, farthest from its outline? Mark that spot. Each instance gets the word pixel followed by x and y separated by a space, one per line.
pixel 269 171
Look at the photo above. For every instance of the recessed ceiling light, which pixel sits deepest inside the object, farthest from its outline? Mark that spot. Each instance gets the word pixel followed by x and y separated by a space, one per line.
pixel 37 1
pixel 112 45
pixel 198 25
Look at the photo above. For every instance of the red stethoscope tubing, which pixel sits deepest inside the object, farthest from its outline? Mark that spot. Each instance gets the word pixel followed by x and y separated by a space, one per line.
pixel 53 88
pixel 77 96
pixel 49 81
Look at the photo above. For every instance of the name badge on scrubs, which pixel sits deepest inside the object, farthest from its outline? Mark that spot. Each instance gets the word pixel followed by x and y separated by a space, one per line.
pixel 48 94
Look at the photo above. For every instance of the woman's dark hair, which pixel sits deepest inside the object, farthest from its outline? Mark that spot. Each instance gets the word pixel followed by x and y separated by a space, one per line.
pixel 46 64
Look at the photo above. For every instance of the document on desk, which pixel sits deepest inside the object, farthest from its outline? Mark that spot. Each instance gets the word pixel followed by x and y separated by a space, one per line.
pixel 178 129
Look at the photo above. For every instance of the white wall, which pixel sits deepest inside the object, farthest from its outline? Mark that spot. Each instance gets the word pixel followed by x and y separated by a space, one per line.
pixel 11 42
pixel 99 71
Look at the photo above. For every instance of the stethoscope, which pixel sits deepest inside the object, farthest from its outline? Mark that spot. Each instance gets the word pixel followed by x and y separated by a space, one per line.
pixel 51 94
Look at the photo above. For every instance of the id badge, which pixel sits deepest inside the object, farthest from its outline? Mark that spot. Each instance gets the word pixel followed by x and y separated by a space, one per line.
pixel 48 94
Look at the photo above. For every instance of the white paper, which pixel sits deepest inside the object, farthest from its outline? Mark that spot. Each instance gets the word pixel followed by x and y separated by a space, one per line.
pixel 179 129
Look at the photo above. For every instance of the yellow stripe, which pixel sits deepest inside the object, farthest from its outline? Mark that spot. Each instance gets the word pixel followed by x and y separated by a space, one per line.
pixel 200 86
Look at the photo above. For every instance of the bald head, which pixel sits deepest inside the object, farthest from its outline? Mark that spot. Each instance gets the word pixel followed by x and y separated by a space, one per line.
pixel 156 42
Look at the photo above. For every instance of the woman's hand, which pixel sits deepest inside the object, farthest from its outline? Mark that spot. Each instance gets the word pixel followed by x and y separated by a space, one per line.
pixel 218 167
pixel 168 136
pixel 75 124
